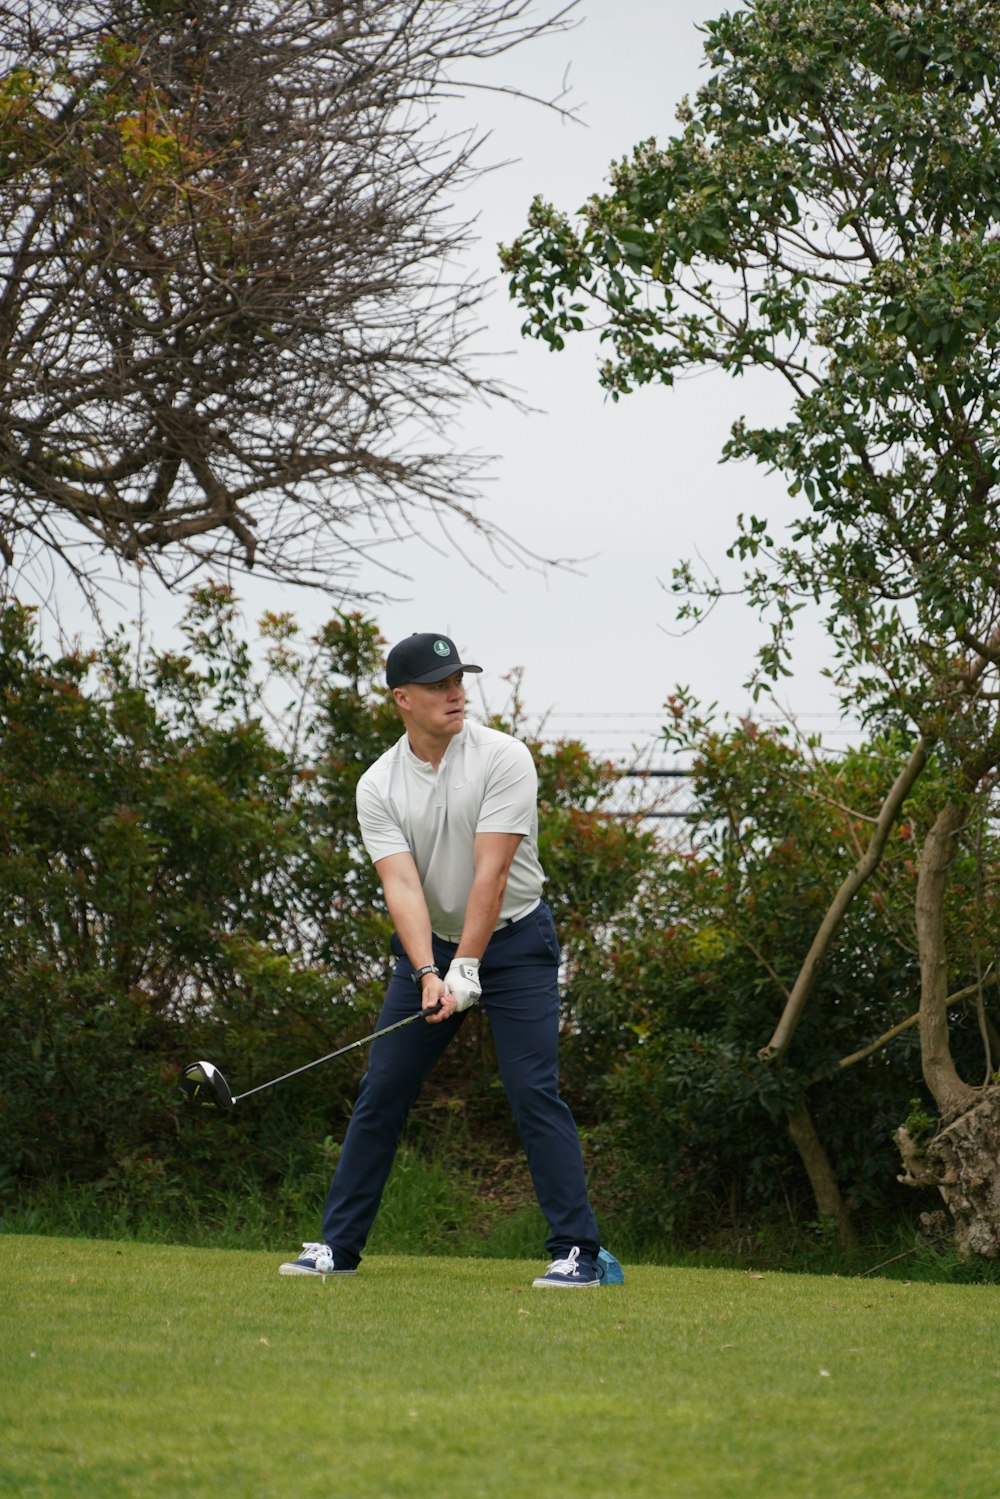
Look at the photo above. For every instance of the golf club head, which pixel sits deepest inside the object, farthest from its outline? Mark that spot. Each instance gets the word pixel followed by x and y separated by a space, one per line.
pixel 202 1083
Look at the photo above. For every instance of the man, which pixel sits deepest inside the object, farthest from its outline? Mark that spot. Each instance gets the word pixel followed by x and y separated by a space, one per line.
pixel 449 817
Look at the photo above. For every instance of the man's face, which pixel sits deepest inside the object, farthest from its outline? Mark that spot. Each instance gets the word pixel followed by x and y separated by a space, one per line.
pixel 434 708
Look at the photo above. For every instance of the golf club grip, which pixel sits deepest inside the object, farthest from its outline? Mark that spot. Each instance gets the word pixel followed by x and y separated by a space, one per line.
pixel 351 1046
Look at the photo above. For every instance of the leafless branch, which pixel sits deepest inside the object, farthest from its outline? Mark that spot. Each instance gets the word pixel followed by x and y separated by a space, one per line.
pixel 231 326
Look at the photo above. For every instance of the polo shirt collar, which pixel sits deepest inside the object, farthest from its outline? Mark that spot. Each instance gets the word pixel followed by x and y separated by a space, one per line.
pixel 450 751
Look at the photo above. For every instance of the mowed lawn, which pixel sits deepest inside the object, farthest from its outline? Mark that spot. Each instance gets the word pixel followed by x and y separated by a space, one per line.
pixel 130 1369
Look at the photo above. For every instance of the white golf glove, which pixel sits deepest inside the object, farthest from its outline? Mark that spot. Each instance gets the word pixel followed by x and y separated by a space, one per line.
pixel 462 982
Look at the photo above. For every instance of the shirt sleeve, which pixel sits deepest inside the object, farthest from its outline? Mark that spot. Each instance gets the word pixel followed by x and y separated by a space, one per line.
pixel 381 834
pixel 511 797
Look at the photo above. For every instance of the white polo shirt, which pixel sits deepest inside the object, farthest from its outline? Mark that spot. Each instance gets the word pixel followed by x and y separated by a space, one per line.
pixel 486 783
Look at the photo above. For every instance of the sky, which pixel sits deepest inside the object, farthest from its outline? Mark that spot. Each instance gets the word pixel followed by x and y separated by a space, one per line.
pixel 627 489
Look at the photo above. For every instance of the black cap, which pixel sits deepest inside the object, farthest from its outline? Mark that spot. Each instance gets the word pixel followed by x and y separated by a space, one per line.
pixel 424 658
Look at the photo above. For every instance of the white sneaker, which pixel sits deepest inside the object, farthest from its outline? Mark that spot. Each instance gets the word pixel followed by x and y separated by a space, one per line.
pixel 315 1259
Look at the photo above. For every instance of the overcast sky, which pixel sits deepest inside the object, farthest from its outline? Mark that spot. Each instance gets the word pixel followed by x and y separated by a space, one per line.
pixel 630 489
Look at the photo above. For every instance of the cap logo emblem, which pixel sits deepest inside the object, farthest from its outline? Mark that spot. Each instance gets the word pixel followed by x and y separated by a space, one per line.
pixel 442 648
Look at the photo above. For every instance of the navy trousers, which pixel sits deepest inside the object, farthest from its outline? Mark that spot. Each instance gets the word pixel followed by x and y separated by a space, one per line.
pixel 519 977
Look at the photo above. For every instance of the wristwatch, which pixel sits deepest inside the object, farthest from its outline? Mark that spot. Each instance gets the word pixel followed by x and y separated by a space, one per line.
pixel 418 976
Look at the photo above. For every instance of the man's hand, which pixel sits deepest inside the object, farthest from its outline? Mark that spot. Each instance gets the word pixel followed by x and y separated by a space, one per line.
pixel 437 1005
pixel 462 982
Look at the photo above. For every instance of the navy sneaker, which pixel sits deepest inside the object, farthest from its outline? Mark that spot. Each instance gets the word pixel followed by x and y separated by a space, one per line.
pixel 315 1259
pixel 573 1271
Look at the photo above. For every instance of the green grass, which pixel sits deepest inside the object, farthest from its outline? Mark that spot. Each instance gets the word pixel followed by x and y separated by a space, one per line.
pixel 145 1370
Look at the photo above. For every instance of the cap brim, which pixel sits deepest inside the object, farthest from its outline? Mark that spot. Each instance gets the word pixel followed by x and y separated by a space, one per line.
pixel 440 672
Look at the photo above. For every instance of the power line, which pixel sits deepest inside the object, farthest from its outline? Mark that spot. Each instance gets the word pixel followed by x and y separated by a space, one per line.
pixel 659 713
pixel 637 774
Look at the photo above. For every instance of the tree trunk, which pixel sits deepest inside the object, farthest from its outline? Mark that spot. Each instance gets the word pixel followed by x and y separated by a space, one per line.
pixel 810 1147
pixel 949 1092
pixel 963 1162
pixel 839 906
pixel 963 1159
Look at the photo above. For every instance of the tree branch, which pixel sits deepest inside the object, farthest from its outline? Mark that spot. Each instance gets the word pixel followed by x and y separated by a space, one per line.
pixel 862 871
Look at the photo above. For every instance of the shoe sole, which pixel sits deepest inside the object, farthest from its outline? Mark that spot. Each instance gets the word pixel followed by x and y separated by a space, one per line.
pixel 541 1284
pixel 302 1270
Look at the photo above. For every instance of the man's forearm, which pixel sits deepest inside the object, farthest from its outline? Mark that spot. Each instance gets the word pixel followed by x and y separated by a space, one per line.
pixel 482 913
pixel 410 917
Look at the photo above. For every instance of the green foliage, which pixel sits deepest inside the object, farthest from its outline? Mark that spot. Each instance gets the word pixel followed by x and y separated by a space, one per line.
pixel 181 875
pixel 693 1143
pixel 176 883
pixel 827 212
pixel 602 887
pixel 918 1123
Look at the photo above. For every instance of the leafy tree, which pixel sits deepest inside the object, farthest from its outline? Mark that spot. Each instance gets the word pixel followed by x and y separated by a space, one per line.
pixel 701 1137
pixel 230 321
pixel 828 212
pixel 181 875
pixel 173 883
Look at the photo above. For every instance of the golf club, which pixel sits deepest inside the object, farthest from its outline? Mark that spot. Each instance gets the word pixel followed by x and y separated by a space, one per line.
pixel 202 1083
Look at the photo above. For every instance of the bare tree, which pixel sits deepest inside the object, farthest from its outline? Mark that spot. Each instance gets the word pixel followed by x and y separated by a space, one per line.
pixel 231 327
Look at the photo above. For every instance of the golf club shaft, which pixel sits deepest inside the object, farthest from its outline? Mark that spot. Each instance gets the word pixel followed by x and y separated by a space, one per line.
pixel 417 1015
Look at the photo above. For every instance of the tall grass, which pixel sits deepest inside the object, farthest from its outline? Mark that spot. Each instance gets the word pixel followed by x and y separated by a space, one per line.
pixel 431 1207
pixel 425 1210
